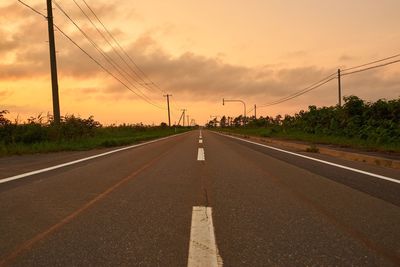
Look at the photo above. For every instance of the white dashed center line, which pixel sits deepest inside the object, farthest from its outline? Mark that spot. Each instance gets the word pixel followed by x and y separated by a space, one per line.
pixel 200 141
pixel 203 250
pixel 200 154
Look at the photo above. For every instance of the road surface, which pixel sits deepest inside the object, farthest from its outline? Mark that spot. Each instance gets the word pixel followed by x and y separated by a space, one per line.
pixel 191 201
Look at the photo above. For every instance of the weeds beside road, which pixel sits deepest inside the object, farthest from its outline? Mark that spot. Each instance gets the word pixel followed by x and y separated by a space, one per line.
pixel 357 124
pixel 40 134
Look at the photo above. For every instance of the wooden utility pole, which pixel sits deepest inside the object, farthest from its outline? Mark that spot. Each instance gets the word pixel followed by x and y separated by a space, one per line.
pixel 53 64
pixel 183 115
pixel 169 114
pixel 255 111
pixel 339 88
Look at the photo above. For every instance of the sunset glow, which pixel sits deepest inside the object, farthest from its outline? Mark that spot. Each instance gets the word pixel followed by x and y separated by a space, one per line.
pixel 200 52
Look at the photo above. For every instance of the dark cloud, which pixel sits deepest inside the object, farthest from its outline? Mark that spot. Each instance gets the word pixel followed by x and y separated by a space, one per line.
pixel 188 76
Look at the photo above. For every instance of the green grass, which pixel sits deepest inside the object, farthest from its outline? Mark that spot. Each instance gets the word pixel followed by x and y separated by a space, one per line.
pixel 103 137
pixel 315 138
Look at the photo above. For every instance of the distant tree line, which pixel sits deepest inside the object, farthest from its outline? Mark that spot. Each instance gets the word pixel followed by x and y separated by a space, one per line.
pixel 43 129
pixel 376 122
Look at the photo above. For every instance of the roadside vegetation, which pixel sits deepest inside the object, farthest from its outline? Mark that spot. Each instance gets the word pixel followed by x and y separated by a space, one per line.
pixel 40 134
pixel 358 124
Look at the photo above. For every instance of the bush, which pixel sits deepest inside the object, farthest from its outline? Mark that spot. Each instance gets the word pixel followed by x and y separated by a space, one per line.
pixel 377 123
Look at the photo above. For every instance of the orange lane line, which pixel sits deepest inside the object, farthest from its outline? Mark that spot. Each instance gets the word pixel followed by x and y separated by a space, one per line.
pixel 28 244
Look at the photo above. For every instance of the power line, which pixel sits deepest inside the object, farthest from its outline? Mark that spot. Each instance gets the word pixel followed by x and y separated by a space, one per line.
pixel 303 91
pixel 123 50
pixel 373 67
pixel 249 111
pixel 113 48
pixel 299 94
pixel 333 76
pixel 84 51
pixel 108 58
pixel 33 9
pixel 370 63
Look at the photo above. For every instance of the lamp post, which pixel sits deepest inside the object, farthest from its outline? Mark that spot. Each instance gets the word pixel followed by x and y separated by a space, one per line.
pixel 237 100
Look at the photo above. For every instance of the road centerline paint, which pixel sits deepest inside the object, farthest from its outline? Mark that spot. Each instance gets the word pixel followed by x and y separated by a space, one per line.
pixel 318 160
pixel 203 249
pixel 200 141
pixel 200 154
pixel 23 175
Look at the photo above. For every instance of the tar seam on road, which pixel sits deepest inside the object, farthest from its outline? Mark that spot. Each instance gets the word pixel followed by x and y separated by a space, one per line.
pixel 318 160
pixel 29 243
pixel 23 175
pixel 203 249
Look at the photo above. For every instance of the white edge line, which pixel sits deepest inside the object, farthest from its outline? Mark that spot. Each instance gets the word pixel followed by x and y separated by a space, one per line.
pixel 318 160
pixel 23 175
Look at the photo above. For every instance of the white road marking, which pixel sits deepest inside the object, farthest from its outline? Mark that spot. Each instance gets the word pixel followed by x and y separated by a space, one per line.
pixel 23 175
pixel 200 154
pixel 318 160
pixel 200 141
pixel 203 250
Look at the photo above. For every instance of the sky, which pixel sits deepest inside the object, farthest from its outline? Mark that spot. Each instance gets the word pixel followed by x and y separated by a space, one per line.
pixel 257 51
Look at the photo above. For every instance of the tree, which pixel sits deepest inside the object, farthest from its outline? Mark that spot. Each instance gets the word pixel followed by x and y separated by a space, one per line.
pixel 3 119
pixel 223 122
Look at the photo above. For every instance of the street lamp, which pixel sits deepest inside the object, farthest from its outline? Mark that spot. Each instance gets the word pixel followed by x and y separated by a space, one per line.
pixel 236 100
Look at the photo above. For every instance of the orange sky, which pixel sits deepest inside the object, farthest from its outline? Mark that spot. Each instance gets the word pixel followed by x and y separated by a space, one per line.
pixel 257 51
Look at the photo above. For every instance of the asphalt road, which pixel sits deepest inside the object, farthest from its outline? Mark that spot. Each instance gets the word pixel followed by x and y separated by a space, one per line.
pixel 137 207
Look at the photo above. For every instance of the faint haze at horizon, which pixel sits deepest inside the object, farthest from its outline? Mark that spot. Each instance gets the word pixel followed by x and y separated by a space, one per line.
pixel 258 51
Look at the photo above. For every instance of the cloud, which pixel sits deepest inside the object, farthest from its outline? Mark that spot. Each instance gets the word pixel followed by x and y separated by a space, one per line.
pixel 345 57
pixel 189 76
pixel 4 94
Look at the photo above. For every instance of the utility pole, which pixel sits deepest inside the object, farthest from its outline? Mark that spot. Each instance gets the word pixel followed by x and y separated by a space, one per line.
pixel 183 115
pixel 339 88
pixel 187 116
pixel 255 111
pixel 169 114
pixel 53 64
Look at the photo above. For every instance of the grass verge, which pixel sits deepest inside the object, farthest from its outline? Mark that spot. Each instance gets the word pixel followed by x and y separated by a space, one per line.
pixel 103 137
pixel 315 138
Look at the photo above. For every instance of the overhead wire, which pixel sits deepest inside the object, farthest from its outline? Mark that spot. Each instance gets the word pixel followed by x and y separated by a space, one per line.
pixel 370 68
pixel 33 9
pixel 143 77
pixel 108 58
pixel 303 91
pixel 333 76
pixel 372 62
pixel 83 50
pixel 135 79
pixel 249 111
pixel 313 86
pixel 123 50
